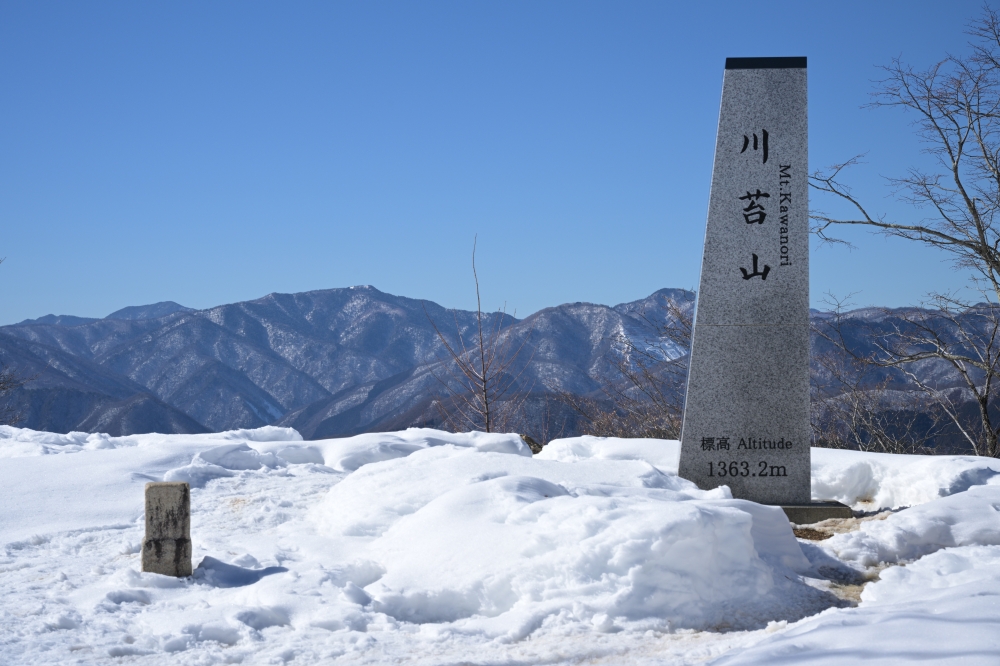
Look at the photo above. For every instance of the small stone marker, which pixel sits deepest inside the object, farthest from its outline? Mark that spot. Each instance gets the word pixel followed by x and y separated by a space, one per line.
pixel 746 416
pixel 167 546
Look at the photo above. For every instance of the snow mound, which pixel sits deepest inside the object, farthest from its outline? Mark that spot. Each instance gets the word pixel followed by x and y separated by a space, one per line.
pixel 663 454
pixel 880 480
pixel 937 575
pixel 499 542
pixel 348 454
pixel 370 501
pixel 967 518
pixel 21 442
pixel 221 461
pixel 941 609
pixel 262 434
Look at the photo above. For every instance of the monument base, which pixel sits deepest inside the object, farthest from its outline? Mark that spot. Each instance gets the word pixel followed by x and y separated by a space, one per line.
pixel 816 511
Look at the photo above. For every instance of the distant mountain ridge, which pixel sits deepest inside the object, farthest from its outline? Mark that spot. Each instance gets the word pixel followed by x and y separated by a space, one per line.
pixel 133 312
pixel 327 362
pixel 154 311
pixel 58 320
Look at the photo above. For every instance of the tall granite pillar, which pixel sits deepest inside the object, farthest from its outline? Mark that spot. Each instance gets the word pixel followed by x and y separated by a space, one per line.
pixel 746 417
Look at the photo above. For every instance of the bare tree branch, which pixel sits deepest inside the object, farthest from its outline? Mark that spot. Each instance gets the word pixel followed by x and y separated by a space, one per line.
pixel 955 104
pixel 483 382
pixel 10 381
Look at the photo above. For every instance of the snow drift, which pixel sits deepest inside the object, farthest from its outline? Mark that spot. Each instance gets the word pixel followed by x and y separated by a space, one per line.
pixel 454 547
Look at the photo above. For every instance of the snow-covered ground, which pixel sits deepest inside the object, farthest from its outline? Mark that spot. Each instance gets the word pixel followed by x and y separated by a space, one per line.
pixel 434 548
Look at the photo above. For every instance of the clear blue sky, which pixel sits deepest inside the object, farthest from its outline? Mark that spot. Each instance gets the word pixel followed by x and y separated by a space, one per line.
pixel 208 153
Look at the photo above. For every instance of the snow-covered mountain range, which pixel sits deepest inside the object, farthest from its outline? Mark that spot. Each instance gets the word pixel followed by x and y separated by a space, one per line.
pixel 335 362
pixel 329 362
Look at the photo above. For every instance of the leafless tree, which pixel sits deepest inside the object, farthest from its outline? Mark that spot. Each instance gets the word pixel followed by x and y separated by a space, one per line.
pixel 541 418
pixel 482 380
pixel 599 416
pixel 10 381
pixel 949 353
pixel 644 396
pixel 851 409
pixel 956 109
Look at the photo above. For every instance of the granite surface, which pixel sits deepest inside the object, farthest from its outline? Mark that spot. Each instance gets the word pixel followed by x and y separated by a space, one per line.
pixel 749 380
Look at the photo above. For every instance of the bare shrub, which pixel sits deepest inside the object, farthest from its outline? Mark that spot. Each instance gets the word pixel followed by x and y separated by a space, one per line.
pixel 482 380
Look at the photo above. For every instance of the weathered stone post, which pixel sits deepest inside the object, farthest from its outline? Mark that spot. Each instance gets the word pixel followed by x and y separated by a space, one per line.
pixel 166 549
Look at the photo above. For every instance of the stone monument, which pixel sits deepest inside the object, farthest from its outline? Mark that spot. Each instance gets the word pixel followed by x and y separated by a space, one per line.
pixel 746 415
pixel 166 549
